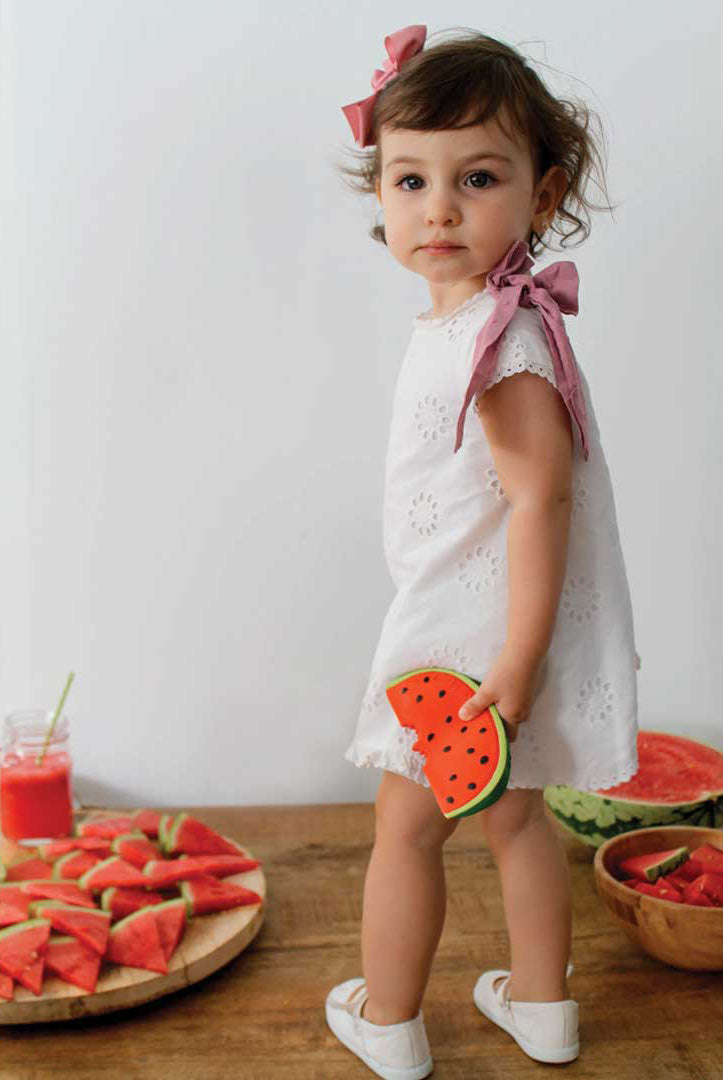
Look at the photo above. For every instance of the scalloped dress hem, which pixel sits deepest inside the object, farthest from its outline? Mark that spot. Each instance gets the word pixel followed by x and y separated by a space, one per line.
pixel 397 762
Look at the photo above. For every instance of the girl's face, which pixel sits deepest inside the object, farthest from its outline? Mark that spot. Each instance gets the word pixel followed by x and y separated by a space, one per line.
pixel 470 187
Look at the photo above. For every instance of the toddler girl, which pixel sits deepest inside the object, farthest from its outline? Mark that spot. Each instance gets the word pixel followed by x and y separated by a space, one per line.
pixel 500 533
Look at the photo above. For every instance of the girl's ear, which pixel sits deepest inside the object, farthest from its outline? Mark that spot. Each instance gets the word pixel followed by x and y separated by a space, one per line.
pixel 550 191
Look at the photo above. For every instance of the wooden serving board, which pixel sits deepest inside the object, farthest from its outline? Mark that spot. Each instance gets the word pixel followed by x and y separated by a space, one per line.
pixel 208 942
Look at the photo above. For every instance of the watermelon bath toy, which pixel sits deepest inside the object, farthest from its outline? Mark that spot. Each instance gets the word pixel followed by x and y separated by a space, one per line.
pixel 467 761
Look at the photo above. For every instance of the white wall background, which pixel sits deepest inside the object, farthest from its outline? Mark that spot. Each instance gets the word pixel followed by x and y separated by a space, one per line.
pixel 199 348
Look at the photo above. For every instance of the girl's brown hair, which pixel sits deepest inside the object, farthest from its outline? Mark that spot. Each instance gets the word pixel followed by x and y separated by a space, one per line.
pixel 471 80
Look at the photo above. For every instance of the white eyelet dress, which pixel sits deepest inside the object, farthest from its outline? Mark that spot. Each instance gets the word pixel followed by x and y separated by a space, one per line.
pixel 445 541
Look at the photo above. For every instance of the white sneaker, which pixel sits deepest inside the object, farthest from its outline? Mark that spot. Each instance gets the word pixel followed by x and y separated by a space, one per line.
pixel 545 1030
pixel 392 1051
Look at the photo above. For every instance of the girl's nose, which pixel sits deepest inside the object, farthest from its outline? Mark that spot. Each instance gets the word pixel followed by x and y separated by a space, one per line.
pixel 441 214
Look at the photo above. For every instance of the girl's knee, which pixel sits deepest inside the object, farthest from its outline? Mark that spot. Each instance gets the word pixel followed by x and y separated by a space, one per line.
pixel 512 812
pixel 408 811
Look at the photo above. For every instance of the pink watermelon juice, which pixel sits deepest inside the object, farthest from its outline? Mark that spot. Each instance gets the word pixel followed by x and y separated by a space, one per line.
pixel 35 800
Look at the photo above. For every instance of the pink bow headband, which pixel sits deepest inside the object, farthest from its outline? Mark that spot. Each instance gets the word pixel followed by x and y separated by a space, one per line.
pixel 400 46
pixel 552 291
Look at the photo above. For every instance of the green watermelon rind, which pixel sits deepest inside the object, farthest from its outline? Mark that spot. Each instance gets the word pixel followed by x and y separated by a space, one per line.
pixel 499 779
pixel 60 862
pixel 594 818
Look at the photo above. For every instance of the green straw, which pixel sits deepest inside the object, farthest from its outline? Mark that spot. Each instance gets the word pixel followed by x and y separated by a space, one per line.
pixel 51 729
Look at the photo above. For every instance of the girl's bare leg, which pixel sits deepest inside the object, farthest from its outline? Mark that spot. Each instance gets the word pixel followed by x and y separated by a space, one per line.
pixel 536 893
pixel 405 899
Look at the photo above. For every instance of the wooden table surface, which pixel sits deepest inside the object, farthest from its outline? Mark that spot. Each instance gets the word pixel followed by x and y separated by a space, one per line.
pixel 262 1016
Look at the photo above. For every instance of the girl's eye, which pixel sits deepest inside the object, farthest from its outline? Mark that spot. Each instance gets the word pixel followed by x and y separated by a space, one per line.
pixel 478 172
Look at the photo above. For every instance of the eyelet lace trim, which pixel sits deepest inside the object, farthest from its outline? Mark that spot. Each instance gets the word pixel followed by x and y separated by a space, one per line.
pixel 601 782
pixel 430 321
pixel 397 760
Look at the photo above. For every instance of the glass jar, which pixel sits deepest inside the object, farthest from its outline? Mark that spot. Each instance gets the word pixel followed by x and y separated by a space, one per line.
pixel 36 801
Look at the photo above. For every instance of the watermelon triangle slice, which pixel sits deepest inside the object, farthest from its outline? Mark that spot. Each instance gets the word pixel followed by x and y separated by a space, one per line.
pixel 188 835
pixel 73 962
pixel 171 921
pixel 58 890
pixel 53 848
pixel 71 866
pixel 467 762
pixel 205 894
pixel 21 952
pixel 147 821
pixel 7 987
pixel 136 848
pixel 90 927
pixel 135 942
pixel 31 868
pixel 112 871
pixel 14 905
pixel 121 900
pixel 106 828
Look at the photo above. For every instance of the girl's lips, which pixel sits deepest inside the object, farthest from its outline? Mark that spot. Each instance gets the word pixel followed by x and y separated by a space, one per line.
pixel 442 250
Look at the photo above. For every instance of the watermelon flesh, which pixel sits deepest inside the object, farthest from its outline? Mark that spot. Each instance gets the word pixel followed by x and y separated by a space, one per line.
pixel 90 927
pixel 73 865
pixel 7 987
pixel 170 919
pixel 206 894
pixel 686 881
pixel 73 962
pixel 54 848
pixel 32 868
pixel 650 867
pixel 14 905
pixel 105 828
pixel 147 821
pixel 111 871
pixel 136 849
pixel 135 942
pixel 679 782
pixel 21 952
pixel 187 835
pixel 121 901
pixel 467 762
pixel 57 890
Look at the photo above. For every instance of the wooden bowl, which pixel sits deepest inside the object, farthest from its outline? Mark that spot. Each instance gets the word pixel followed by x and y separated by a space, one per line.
pixel 682 935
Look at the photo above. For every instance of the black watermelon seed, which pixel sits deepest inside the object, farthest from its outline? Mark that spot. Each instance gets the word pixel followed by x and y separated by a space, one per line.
pixel 471 786
pixel 464 729
pixel 419 697
pixel 442 693
pixel 482 730
pixel 453 776
pixel 483 760
pixel 447 748
pixel 404 689
pixel 470 749
pixel 430 736
pixel 426 678
pixel 450 799
pixel 448 720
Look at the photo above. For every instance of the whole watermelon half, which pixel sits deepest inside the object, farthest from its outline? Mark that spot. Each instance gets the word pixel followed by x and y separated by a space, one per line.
pixel 679 782
pixel 467 762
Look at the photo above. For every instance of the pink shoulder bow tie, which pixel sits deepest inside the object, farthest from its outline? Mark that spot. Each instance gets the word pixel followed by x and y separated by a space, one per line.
pixel 552 291
pixel 401 45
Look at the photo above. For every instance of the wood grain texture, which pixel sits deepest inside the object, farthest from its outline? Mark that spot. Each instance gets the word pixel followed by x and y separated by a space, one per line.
pixel 261 1017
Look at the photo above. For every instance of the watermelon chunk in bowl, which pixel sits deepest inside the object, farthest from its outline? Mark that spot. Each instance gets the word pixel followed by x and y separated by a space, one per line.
pixel 686 934
pixel 679 782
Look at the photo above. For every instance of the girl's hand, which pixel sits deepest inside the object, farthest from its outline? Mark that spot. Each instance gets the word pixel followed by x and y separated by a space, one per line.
pixel 511 686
